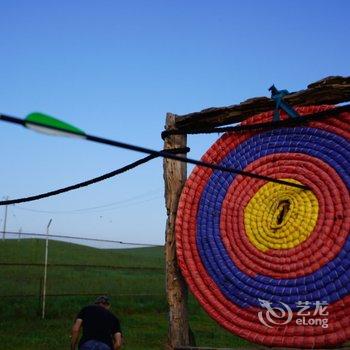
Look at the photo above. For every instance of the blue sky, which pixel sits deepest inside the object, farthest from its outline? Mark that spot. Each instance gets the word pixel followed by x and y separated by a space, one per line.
pixel 114 68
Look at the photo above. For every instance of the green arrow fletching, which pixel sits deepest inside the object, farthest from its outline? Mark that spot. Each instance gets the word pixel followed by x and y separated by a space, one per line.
pixel 52 126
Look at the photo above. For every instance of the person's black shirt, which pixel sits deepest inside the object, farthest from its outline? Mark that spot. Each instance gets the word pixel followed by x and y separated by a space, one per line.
pixel 98 324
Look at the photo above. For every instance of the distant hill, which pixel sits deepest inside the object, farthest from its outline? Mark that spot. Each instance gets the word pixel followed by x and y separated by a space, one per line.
pixel 78 269
pixel 33 250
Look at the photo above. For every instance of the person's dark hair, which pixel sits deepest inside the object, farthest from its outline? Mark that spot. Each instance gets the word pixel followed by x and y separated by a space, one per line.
pixel 103 299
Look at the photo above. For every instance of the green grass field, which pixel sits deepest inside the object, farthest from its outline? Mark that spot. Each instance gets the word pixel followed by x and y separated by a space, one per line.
pixel 138 296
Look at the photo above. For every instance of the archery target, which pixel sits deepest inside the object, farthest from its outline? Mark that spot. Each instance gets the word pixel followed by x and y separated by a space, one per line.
pixel 269 262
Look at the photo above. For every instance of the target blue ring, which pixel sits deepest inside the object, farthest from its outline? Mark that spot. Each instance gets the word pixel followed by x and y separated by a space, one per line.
pixel 328 282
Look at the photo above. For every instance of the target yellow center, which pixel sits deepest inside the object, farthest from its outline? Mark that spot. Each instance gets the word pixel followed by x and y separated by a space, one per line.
pixel 280 217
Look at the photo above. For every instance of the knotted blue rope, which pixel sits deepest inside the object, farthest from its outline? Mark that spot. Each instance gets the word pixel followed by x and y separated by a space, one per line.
pixel 277 96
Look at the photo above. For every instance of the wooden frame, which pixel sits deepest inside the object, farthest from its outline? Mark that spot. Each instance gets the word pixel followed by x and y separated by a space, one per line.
pixel 175 174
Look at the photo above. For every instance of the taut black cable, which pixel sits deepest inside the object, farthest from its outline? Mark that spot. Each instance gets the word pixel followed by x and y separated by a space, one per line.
pixel 261 126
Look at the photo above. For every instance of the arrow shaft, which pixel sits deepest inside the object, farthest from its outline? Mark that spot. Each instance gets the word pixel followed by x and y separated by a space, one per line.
pixel 13 120
pixel 163 154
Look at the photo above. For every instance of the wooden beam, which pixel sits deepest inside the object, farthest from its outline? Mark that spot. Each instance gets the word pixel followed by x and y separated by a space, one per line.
pixel 330 90
pixel 175 175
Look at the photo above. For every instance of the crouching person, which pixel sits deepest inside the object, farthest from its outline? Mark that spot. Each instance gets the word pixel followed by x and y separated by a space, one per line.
pixel 101 329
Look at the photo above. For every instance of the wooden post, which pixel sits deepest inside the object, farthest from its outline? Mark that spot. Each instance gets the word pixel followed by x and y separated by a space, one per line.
pixel 175 174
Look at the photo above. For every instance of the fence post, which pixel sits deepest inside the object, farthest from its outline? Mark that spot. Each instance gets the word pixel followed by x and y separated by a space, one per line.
pixel 175 174
pixel 40 296
pixel 5 219
pixel 45 268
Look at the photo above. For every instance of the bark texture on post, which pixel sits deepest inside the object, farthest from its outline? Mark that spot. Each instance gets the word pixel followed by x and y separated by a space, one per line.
pixel 175 174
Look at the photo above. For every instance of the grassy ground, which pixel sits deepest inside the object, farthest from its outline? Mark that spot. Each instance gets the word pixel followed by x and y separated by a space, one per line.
pixel 138 297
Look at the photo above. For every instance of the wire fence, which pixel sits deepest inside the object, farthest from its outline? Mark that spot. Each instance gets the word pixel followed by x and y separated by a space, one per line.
pixel 78 268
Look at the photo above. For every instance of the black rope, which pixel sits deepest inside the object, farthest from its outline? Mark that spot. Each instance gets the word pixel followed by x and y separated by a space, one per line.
pixel 261 126
pixel 169 154
pixel 91 181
